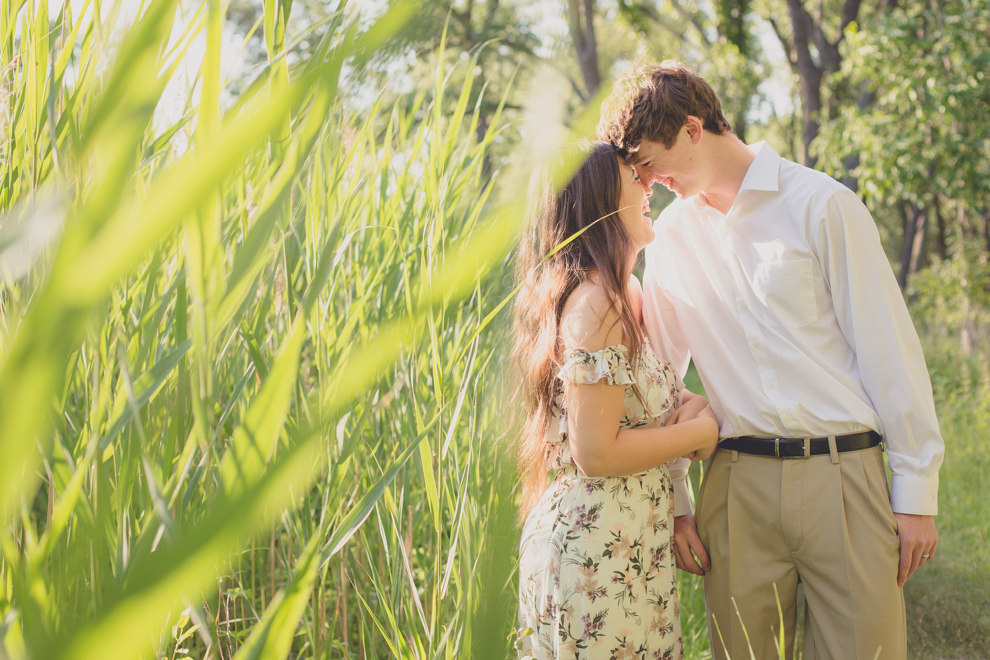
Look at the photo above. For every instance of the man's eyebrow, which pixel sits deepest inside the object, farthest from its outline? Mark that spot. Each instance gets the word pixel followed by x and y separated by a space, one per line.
pixel 636 158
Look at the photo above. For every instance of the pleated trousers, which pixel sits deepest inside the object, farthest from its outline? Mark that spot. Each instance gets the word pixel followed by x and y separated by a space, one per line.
pixel 824 520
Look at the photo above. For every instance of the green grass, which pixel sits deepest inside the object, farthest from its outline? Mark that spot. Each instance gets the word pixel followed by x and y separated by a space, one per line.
pixel 948 601
pixel 245 399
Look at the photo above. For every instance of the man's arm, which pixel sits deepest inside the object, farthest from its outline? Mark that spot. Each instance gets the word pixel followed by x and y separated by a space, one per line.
pixel 874 319
pixel 664 331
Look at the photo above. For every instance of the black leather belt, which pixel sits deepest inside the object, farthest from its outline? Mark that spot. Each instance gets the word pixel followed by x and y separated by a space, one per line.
pixel 795 447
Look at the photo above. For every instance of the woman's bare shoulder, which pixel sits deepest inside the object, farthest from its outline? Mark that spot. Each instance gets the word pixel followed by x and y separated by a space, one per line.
pixel 589 320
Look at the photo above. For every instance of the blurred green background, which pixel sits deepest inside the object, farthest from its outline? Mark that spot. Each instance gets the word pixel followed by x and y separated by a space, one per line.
pixel 256 262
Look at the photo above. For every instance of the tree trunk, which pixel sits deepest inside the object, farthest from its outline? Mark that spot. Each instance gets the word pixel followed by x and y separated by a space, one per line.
pixel 480 131
pixel 472 40
pixel 808 35
pixel 851 162
pixel 582 26
pixel 811 105
pixel 731 15
pixel 915 226
pixel 811 76
pixel 942 247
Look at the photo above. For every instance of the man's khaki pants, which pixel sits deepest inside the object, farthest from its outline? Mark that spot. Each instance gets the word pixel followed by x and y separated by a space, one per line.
pixel 824 520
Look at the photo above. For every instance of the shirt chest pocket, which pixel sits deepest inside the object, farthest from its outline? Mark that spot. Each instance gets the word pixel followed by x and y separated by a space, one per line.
pixel 787 289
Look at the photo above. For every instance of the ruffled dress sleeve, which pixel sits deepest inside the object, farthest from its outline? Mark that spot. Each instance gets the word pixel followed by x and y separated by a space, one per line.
pixel 585 367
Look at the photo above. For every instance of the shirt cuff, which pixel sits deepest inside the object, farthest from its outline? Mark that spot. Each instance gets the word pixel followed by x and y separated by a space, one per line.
pixel 909 494
pixel 682 497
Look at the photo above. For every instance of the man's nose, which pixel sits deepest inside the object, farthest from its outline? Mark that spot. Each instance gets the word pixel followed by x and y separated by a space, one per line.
pixel 646 176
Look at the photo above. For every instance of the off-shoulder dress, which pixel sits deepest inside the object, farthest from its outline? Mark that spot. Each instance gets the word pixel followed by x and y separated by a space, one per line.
pixel 596 573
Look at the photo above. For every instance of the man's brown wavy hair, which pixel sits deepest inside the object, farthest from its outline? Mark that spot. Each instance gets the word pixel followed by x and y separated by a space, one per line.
pixel 652 101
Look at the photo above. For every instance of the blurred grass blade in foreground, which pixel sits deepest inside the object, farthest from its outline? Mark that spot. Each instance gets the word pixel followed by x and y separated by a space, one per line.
pixel 25 231
pixel 308 460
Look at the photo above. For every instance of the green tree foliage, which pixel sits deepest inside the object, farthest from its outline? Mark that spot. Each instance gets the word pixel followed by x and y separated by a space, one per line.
pixel 927 132
pixel 924 141
pixel 497 35
pixel 718 40
pixel 811 35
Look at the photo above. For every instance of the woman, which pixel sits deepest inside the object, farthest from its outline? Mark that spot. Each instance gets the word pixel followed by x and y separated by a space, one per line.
pixel 597 577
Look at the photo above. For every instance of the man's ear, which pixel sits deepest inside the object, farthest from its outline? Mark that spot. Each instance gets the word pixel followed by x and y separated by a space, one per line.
pixel 695 128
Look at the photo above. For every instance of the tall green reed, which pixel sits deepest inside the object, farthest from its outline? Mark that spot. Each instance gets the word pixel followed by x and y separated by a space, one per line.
pixel 244 399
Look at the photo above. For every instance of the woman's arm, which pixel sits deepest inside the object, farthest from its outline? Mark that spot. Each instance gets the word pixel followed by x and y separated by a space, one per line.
pixel 599 447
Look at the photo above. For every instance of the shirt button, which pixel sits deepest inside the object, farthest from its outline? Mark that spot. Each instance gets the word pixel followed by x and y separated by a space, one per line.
pixel 787 417
pixel 742 306
pixel 769 386
pixel 756 344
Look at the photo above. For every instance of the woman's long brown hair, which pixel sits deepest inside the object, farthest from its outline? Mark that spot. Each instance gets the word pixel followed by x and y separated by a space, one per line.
pixel 590 200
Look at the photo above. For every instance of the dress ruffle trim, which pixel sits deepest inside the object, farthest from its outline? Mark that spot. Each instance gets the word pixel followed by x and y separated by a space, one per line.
pixel 585 367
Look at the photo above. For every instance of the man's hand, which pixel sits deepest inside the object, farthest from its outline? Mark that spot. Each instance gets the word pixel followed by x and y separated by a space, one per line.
pixel 919 538
pixel 686 539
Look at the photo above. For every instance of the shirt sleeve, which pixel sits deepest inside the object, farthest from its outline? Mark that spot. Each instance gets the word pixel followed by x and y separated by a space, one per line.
pixel 664 332
pixel 874 319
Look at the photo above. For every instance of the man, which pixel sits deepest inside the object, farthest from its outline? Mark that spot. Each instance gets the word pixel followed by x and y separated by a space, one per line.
pixel 772 277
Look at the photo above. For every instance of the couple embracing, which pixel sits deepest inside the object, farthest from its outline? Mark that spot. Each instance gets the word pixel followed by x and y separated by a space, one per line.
pixel 771 276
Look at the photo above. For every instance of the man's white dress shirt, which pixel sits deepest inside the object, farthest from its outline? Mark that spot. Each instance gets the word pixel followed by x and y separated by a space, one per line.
pixel 797 327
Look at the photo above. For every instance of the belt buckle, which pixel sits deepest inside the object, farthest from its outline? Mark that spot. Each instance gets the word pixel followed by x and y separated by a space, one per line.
pixel 805 443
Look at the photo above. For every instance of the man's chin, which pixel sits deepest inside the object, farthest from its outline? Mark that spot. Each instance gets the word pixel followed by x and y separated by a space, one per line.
pixel 684 193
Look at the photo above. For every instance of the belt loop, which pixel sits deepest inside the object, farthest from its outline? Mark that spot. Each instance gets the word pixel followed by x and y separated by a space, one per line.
pixel 735 456
pixel 832 450
pixel 807 447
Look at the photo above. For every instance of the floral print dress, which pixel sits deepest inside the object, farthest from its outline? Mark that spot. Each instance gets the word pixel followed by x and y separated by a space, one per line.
pixel 596 571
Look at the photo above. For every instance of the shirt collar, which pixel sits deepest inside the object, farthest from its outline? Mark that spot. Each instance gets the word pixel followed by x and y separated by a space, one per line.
pixel 763 173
